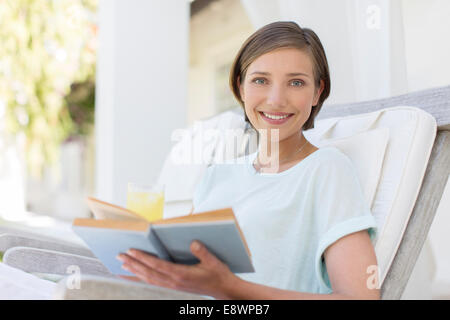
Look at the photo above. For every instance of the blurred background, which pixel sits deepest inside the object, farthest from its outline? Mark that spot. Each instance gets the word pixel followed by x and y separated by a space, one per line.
pixel 91 90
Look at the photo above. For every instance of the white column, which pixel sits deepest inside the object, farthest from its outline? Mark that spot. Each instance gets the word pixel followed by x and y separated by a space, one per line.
pixel 141 94
pixel 377 48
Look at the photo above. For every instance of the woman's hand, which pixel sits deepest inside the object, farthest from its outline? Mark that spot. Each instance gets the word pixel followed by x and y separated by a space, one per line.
pixel 209 277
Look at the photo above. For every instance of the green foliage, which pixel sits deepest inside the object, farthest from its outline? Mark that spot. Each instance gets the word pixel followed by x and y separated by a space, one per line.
pixel 48 47
pixel 81 104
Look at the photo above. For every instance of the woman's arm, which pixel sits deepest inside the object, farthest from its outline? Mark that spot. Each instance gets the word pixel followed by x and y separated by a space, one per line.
pixel 347 260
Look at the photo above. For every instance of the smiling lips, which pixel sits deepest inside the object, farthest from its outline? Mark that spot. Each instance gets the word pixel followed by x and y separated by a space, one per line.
pixel 276 117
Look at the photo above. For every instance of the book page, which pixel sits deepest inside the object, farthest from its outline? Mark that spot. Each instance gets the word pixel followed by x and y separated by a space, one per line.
pixel 16 284
pixel 105 210
pixel 207 216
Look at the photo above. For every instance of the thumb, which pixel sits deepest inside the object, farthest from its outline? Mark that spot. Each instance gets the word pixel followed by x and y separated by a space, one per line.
pixel 200 251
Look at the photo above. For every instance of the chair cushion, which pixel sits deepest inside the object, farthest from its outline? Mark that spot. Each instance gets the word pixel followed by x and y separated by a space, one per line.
pixel 411 136
pixel 366 150
pixel 197 147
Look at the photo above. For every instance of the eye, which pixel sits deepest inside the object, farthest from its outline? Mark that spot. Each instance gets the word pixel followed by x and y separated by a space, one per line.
pixel 297 83
pixel 259 81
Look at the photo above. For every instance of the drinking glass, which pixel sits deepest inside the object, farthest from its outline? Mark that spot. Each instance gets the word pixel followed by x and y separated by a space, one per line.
pixel 146 200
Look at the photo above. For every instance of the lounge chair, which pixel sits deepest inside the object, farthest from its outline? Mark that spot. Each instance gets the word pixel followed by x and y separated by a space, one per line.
pixel 401 148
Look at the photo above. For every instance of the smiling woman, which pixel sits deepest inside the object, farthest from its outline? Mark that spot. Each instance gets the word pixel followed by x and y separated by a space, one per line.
pixel 280 77
pixel 277 36
pixel 277 94
pixel 307 225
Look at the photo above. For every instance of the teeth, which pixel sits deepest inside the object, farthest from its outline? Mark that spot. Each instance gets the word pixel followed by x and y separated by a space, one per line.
pixel 275 117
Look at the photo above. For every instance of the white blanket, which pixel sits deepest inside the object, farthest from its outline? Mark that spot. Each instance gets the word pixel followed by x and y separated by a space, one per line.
pixel 16 284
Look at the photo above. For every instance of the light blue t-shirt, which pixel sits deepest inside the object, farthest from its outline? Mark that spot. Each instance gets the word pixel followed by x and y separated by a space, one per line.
pixel 290 218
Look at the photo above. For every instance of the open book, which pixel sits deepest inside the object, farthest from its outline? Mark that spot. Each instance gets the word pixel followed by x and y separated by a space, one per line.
pixel 169 239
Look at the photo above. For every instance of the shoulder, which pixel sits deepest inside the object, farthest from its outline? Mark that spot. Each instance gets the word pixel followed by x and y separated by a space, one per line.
pixel 332 157
pixel 331 166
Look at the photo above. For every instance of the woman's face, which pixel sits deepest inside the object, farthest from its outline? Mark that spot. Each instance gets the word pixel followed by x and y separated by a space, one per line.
pixel 280 84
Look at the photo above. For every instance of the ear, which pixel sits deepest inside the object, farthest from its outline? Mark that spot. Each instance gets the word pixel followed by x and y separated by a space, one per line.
pixel 241 88
pixel 318 93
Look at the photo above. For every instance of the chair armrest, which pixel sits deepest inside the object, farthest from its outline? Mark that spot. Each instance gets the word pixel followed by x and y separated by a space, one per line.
pixel 101 288
pixel 59 231
pixel 34 260
pixel 8 241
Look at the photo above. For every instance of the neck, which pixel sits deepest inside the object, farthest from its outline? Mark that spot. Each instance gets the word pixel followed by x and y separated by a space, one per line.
pixel 272 151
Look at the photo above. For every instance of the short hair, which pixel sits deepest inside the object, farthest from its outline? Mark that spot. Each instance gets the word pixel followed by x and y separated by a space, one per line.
pixel 276 35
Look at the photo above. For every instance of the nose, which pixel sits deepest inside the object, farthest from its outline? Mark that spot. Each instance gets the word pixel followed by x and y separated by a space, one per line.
pixel 276 97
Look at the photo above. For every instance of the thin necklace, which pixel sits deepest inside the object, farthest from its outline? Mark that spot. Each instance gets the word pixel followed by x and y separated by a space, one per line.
pixel 284 160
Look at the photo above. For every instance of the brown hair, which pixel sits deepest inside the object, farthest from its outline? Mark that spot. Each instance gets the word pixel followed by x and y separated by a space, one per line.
pixel 282 35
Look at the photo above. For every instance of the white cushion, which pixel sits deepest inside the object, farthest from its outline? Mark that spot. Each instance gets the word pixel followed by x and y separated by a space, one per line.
pixel 366 150
pixel 411 137
pixel 188 159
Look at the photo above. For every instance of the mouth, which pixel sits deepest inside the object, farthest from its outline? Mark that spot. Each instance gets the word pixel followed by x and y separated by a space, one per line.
pixel 276 118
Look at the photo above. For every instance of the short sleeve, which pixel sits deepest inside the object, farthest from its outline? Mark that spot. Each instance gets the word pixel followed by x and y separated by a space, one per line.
pixel 340 208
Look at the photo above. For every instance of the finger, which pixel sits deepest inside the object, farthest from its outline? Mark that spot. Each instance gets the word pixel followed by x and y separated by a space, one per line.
pixel 146 277
pixel 131 278
pixel 156 263
pixel 202 253
pixel 136 264
pixel 146 273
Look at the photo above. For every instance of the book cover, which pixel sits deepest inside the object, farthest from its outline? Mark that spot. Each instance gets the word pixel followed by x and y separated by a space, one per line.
pixel 169 239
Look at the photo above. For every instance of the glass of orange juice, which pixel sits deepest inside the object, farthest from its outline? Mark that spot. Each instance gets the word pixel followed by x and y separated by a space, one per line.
pixel 146 200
